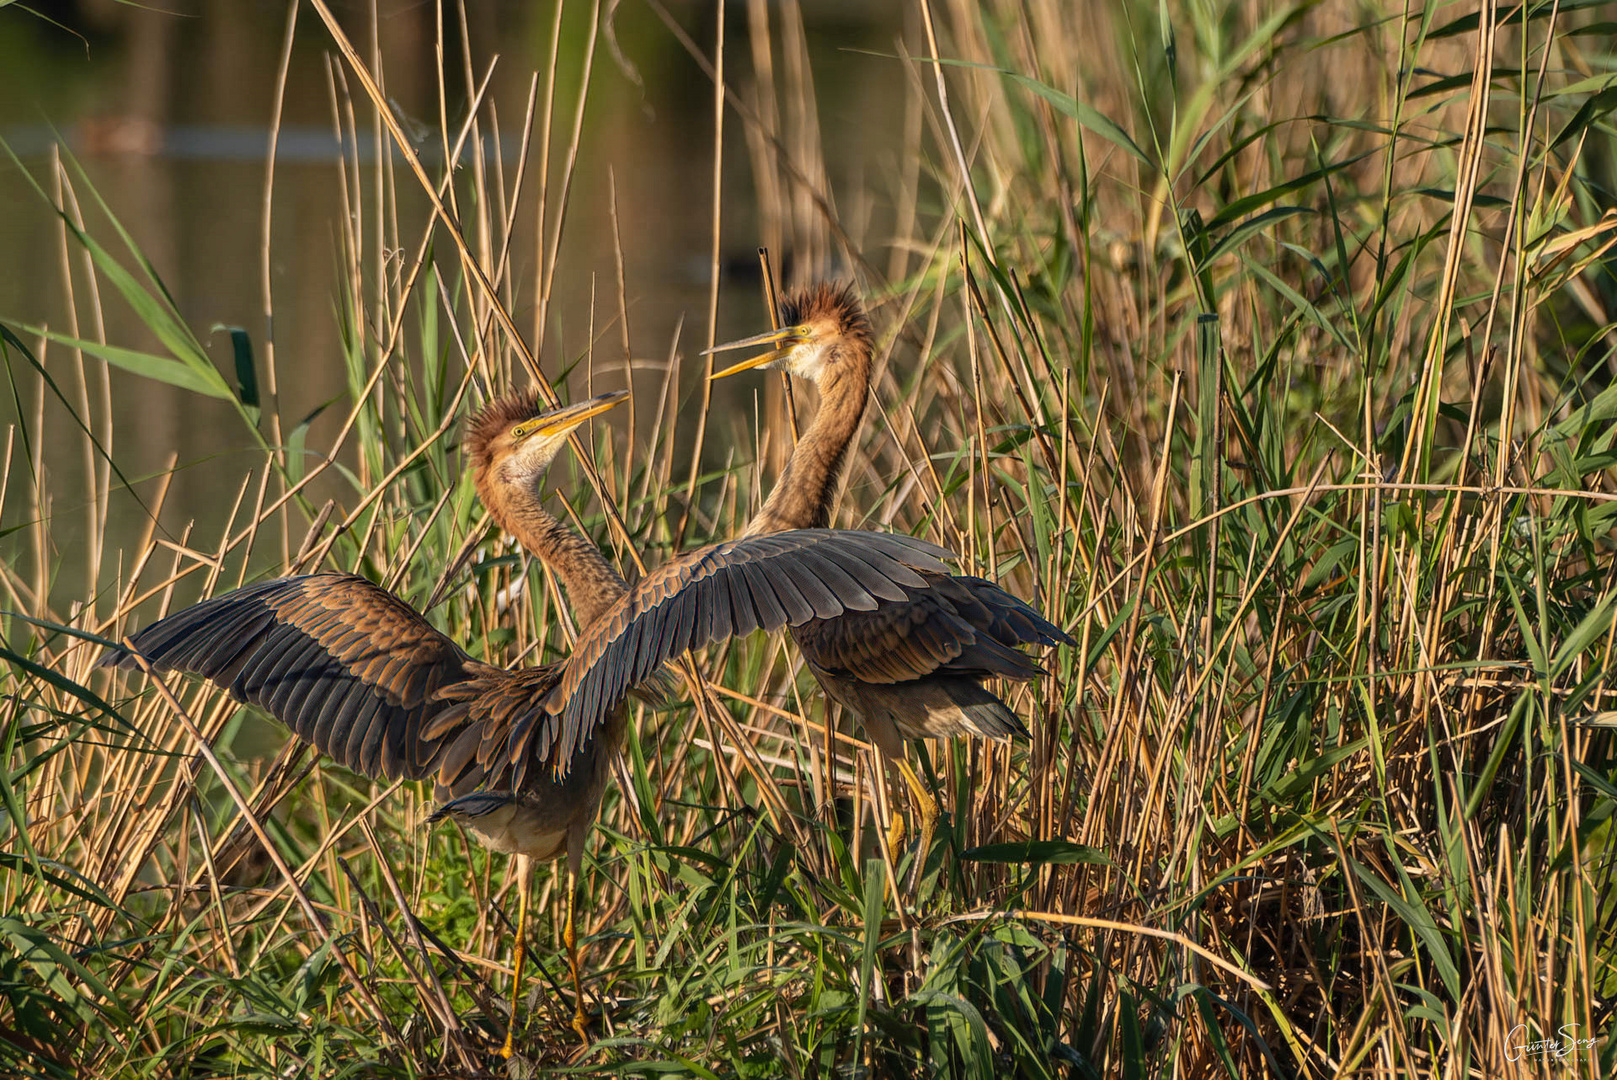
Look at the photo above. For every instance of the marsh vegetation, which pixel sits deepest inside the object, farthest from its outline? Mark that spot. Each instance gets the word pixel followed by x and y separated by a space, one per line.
pixel 1268 350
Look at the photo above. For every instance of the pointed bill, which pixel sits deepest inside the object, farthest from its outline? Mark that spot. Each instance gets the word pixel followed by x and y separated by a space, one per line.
pixel 783 341
pixel 565 419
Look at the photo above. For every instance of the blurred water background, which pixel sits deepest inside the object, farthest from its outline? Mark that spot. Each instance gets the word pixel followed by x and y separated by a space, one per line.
pixel 168 112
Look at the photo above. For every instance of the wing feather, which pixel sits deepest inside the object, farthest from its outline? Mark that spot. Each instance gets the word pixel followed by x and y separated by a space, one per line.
pixel 288 693
pixel 771 615
pixel 805 575
pixel 845 591
pixel 707 614
pixel 348 751
pixel 333 705
pixel 955 626
pixel 259 672
pixel 861 566
pixel 792 600
pixel 345 664
pixel 891 568
pixel 726 589
pixel 457 772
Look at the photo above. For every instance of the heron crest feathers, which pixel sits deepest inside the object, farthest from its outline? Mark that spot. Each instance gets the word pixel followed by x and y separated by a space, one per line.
pixel 495 418
pixel 837 305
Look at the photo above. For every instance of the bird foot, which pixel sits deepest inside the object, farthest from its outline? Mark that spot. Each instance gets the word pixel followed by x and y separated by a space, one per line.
pixel 896 834
pixel 581 1024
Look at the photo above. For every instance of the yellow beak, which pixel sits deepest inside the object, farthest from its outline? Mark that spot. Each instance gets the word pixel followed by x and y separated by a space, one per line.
pixel 783 340
pixel 561 421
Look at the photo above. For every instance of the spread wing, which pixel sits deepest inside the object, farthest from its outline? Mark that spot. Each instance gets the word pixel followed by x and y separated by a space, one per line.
pixel 725 590
pixel 955 626
pixel 488 727
pixel 344 663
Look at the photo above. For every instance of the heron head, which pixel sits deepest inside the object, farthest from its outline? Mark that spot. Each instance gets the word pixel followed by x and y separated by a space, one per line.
pixel 824 330
pixel 516 437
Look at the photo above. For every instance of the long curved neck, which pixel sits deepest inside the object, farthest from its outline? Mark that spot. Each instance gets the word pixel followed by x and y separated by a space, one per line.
pixel 803 494
pixel 591 582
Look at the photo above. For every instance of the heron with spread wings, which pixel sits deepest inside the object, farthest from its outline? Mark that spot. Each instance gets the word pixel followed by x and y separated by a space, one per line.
pixel 907 670
pixel 519 756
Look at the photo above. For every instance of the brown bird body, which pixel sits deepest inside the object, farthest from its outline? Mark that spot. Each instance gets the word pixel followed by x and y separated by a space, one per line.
pixel 360 675
pixel 537 812
pixel 912 669
pixel 522 756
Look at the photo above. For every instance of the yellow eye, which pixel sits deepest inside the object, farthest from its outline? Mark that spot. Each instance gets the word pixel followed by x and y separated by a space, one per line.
pixel 518 432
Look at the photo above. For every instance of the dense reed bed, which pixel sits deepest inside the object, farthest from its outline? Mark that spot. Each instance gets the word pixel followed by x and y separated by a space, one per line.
pixel 1269 350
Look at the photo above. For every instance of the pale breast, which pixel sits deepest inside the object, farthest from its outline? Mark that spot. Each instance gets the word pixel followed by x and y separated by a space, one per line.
pixel 513 824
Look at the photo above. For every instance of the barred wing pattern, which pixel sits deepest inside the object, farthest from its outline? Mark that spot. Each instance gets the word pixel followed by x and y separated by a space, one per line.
pixel 356 672
pixel 345 664
pixel 958 626
pixel 725 590
pixel 486 728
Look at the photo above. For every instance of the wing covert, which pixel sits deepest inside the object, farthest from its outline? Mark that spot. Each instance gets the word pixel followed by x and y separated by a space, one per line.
pixel 345 664
pixel 727 590
pixel 956 626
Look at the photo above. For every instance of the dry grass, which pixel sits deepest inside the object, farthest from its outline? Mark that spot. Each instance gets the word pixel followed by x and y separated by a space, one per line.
pixel 1291 404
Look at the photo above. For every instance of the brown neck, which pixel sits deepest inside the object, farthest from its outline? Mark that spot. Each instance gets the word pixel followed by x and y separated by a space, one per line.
pixel 591 582
pixel 803 495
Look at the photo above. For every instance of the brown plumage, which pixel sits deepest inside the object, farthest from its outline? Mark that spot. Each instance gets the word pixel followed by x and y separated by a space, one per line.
pixel 727 590
pixel 506 486
pixel 521 756
pixel 825 337
pixel 359 674
pixel 912 669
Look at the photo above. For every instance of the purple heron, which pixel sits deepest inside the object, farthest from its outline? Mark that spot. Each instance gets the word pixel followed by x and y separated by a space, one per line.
pixel 910 670
pixel 519 756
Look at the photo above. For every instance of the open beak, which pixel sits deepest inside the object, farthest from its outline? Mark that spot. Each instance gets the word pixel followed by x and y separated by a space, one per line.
pixel 782 341
pixel 565 419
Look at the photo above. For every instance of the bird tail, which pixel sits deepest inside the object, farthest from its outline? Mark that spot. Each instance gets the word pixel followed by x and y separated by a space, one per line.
pixel 994 719
pixel 988 656
pixel 472 805
pixel 975 711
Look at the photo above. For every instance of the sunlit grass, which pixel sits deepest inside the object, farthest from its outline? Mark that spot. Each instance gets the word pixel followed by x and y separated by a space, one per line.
pixel 1270 358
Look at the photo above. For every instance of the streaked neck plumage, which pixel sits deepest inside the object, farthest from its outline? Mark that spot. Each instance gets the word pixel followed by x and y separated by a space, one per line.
pixel 592 584
pixel 808 485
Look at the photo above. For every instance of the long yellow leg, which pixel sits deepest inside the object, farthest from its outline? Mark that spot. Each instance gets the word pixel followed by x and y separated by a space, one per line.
pixel 926 809
pixel 888 801
pixel 569 935
pixel 895 831
pixel 524 883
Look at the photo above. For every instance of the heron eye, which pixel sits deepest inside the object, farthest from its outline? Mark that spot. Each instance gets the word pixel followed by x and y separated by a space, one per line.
pixel 518 431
